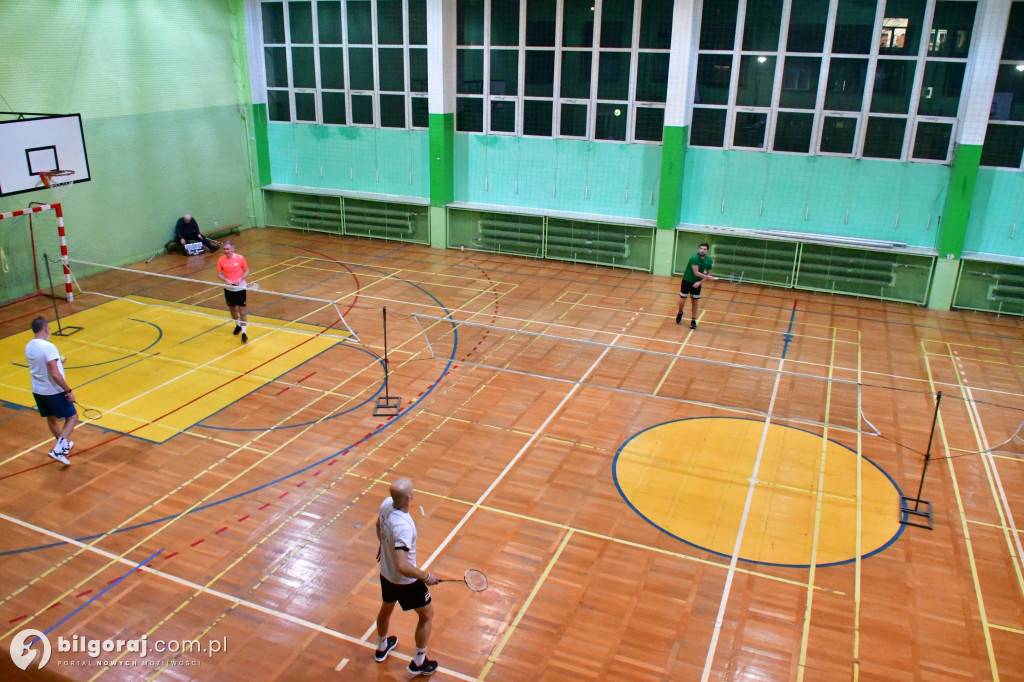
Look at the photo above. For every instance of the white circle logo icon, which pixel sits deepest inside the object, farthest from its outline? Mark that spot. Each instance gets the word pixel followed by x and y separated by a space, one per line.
pixel 23 654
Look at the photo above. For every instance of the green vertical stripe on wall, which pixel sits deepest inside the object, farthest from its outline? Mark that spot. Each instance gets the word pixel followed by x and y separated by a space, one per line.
pixel 673 151
pixel 442 175
pixel 259 122
pixel 959 198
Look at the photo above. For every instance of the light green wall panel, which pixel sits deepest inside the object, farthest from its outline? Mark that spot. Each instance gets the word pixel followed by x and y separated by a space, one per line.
pixel 377 160
pixel 997 216
pixel 835 196
pixel 611 179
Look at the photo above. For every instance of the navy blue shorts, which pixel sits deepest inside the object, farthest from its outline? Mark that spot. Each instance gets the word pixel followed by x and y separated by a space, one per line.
pixel 56 405
pixel 235 298
pixel 412 596
pixel 687 289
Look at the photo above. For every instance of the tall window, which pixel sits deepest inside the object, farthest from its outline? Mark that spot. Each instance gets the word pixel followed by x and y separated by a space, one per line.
pixel 864 78
pixel 1004 139
pixel 357 62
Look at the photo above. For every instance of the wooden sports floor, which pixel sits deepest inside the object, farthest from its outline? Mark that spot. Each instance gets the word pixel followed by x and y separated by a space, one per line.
pixel 649 502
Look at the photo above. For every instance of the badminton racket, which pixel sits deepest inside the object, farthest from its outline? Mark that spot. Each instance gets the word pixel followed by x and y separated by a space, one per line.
pixel 251 286
pixel 91 413
pixel 474 579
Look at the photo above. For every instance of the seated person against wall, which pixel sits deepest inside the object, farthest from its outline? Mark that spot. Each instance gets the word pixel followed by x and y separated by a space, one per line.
pixel 187 230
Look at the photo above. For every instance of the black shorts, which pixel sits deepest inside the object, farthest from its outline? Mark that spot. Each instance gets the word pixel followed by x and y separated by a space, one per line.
pixel 56 405
pixel 235 298
pixel 412 596
pixel 687 289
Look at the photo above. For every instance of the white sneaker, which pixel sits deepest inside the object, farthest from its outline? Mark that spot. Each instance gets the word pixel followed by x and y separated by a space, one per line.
pixel 59 456
pixel 67 448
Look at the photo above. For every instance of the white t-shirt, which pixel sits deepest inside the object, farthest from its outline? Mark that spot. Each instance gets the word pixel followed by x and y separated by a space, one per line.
pixel 38 353
pixel 397 532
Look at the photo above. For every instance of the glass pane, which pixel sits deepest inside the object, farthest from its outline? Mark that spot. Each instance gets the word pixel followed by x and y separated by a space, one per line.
pixel 305 106
pixel 793 132
pixel 902 27
pixel 611 121
pixel 707 128
pixel 300 21
pixel 418 69
pixel 332 68
pixel 577 23
pixel 392 69
pixel 278 105
pixel 807 26
pixel 469 72
pixel 469 114
pixel 951 29
pixel 940 91
pixel 392 111
pixel 750 126
pixel 574 120
pixel 505 23
pixel 932 141
pixel 616 23
pixel 837 135
pixel 800 82
pixel 360 28
pixel 333 104
pixel 417 28
pixel 328 21
pixel 420 113
pixel 713 74
pixel 273 24
pixel 845 86
pixel 884 139
pixel 894 81
pixel 303 68
pixel 1013 46
pixel 757 77
pixel 389 27
pixel 469 23
pixel 761 26
pixel 855 20
pixel 503 116
pixel 276 60
pixel 656 24
pixel 540 73
pixel 504 72
pixel 537 117
pixel 718 25
pixel 650 123
pixel 1008 100
pixel 652 77
pixel 362 109
pixel 613 75
pixel 540 22
pixel 360 72
pixel 576 74
pixel 1004 145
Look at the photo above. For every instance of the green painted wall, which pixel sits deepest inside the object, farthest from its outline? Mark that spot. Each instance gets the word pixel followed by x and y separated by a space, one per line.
pixel 605 178
pixel 996 224
pixel 672 158
pixel 835 196
pixel 959 197
pixel 442 178
pixel 377 160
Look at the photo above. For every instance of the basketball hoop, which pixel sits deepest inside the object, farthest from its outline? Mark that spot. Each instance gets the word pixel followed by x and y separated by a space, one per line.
pixel 59 181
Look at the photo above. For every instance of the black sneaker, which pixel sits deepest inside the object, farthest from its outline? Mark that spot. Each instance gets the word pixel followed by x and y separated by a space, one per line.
pixel 238 330
pixel 427 667
pixel 693 324
pixel 679 317
pixel 214 248
pixel 389 644
pixel 246 338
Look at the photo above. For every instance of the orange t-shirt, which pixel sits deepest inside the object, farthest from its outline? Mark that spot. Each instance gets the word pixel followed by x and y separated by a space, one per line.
pixel 233 267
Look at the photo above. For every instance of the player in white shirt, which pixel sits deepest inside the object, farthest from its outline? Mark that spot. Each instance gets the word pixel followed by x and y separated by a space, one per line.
pixel 400 580
pixel 54 397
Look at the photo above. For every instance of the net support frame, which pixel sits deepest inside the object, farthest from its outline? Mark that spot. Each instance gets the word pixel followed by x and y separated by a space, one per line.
pixel 64 259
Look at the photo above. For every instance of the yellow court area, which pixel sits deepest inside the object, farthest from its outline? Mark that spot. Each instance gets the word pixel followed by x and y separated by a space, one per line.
pixel 154 368
pixel 691 478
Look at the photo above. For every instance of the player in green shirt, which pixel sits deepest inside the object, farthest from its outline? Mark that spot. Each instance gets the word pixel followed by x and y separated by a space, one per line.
pixel 697 271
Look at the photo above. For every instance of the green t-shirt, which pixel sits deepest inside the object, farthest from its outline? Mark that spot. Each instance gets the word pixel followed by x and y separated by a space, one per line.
pixel 703 265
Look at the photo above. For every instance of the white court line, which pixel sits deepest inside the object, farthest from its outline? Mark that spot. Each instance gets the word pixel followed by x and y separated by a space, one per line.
pixel 217 593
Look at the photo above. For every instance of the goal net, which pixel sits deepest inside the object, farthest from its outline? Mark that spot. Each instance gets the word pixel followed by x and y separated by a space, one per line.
pixel 27 238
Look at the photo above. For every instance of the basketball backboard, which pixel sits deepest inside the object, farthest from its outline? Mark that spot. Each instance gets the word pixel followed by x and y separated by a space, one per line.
pixel 32 143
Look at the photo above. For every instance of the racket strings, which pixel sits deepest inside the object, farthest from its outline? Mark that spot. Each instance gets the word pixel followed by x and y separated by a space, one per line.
pixel 476 580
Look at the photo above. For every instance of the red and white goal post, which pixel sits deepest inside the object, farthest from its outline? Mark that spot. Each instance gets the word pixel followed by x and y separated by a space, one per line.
pixel 63 244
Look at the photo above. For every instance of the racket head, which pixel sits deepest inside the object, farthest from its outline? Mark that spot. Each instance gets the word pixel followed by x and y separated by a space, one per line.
pixel 476 580
pixel 91 413
pixel 253 286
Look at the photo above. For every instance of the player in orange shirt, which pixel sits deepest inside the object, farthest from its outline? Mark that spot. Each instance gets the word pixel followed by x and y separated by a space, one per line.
pixel 232 268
